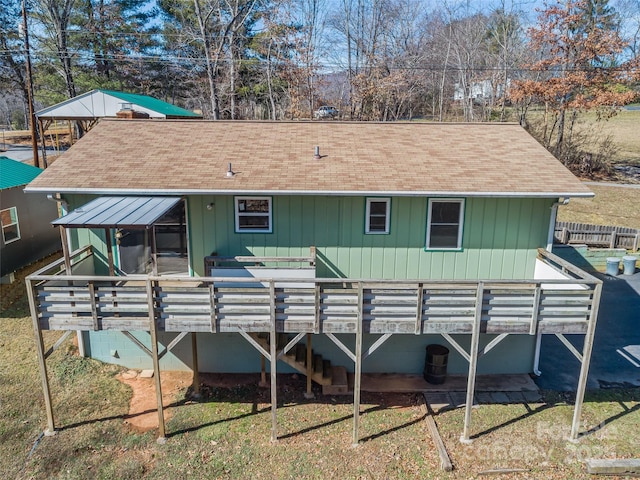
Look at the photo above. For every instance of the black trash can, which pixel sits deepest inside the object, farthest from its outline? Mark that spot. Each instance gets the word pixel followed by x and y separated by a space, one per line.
pixel 435 364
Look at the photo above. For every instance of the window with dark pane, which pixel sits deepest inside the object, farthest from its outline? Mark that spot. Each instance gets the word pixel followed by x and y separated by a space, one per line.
pixel 445 224
pixel 377 215
pixel 253 214
pixel 10 227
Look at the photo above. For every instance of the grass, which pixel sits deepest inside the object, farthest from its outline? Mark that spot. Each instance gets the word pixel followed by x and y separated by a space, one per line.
pixel 624 128
pixel 611 206
pixel 227 435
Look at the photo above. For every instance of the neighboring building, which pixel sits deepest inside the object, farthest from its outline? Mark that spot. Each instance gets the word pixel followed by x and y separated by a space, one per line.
pixel 89 107
pixel 27 235
pixel 481 91
pixel 443 204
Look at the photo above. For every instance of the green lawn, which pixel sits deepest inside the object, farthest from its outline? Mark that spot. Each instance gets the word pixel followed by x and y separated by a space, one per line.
pixel 611 206
pixel 625 130
pixel 227 435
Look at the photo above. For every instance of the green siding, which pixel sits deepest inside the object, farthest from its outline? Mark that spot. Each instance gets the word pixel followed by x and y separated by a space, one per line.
pixel 500 237
pixel 500 240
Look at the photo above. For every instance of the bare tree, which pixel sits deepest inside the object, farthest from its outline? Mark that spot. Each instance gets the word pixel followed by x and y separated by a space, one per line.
pixel 55 16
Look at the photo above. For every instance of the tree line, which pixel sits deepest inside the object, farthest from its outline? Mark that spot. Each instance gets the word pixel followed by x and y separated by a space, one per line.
pixel 373 59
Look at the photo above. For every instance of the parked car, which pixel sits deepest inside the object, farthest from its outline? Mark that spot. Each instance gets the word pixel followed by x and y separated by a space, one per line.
pixel 326 112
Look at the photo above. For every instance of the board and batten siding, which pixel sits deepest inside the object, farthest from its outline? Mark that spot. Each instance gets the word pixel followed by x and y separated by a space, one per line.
pixel 500 237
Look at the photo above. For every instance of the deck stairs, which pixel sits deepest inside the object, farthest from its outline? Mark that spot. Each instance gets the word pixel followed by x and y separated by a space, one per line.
pixel 333 378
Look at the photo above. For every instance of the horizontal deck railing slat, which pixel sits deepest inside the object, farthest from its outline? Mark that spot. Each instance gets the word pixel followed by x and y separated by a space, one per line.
pixel 318 305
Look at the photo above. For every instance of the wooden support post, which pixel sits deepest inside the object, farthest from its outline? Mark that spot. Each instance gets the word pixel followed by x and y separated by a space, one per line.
pixel 108 241
pixel 273 360
pixel 309 394
pixel 154 251
pixel 50 430
pixel 44 143
pixel 586 360
pixel 263 371
pixel 358 369
pixel 473 363
pixel 420 300
pixel 65 250
pixel 153 330
pixel 196 370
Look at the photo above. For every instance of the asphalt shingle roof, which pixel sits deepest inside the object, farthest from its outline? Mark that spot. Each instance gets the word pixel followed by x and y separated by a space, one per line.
pixel 181 157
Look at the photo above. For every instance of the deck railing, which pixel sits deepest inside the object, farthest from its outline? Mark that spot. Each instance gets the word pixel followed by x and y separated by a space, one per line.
pixel 327 305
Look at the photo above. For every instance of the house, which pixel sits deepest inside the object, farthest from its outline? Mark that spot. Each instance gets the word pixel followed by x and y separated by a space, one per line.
pixel 368 241
pixel 27 235
pixel 480 91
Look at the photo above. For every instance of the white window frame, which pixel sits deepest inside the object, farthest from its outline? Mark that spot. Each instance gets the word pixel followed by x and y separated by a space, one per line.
pixel 238 214
pixel 367 228
pixel 16 223
pixel 460 222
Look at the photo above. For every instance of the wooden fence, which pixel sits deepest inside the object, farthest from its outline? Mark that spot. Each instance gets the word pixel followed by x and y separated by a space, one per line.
pixel 605 236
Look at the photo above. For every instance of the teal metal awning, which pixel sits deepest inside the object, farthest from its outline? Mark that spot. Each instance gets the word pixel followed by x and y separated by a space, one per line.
pixel 118 212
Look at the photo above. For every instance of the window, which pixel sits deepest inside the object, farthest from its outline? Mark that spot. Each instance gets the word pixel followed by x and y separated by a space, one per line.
pixel 10 228
pixel 253 214
pixel 444 224
pixel 377 220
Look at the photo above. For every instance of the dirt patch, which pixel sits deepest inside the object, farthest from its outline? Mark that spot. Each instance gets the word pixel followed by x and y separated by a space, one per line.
pixel 143 413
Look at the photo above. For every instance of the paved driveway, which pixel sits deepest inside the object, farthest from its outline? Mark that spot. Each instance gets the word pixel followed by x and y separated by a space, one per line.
pixel 615 361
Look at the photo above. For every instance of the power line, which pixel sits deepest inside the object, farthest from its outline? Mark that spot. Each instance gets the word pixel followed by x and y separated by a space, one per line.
pixel 163 58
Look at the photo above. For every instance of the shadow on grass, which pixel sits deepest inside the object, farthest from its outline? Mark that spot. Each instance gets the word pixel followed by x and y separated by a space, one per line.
pixel 620 397
pixel 290 397
pixel 555 399
pixel 530 413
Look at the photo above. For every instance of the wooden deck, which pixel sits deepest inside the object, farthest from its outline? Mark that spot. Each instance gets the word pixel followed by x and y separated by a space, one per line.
pixel 222 304
pixel 566 303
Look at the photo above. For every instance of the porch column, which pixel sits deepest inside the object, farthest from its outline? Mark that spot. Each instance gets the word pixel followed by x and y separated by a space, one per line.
pixel 42 364
pixel 154 251
pixel 358 369
pixel 196 372
pixel 109 241
pixel 473 363
pixel 586 360
pixel 273 352
pixel 153 330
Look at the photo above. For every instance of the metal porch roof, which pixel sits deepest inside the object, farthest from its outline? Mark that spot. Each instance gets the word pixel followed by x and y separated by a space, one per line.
pixel 118 212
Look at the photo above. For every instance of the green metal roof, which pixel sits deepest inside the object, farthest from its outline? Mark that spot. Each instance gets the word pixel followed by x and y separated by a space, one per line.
pixel 16 174
pixel 151 103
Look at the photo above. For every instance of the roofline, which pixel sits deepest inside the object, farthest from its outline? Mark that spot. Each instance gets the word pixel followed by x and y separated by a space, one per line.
pixel 336 193
pixel 39 113
pixel 43 113
pixel 332 122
